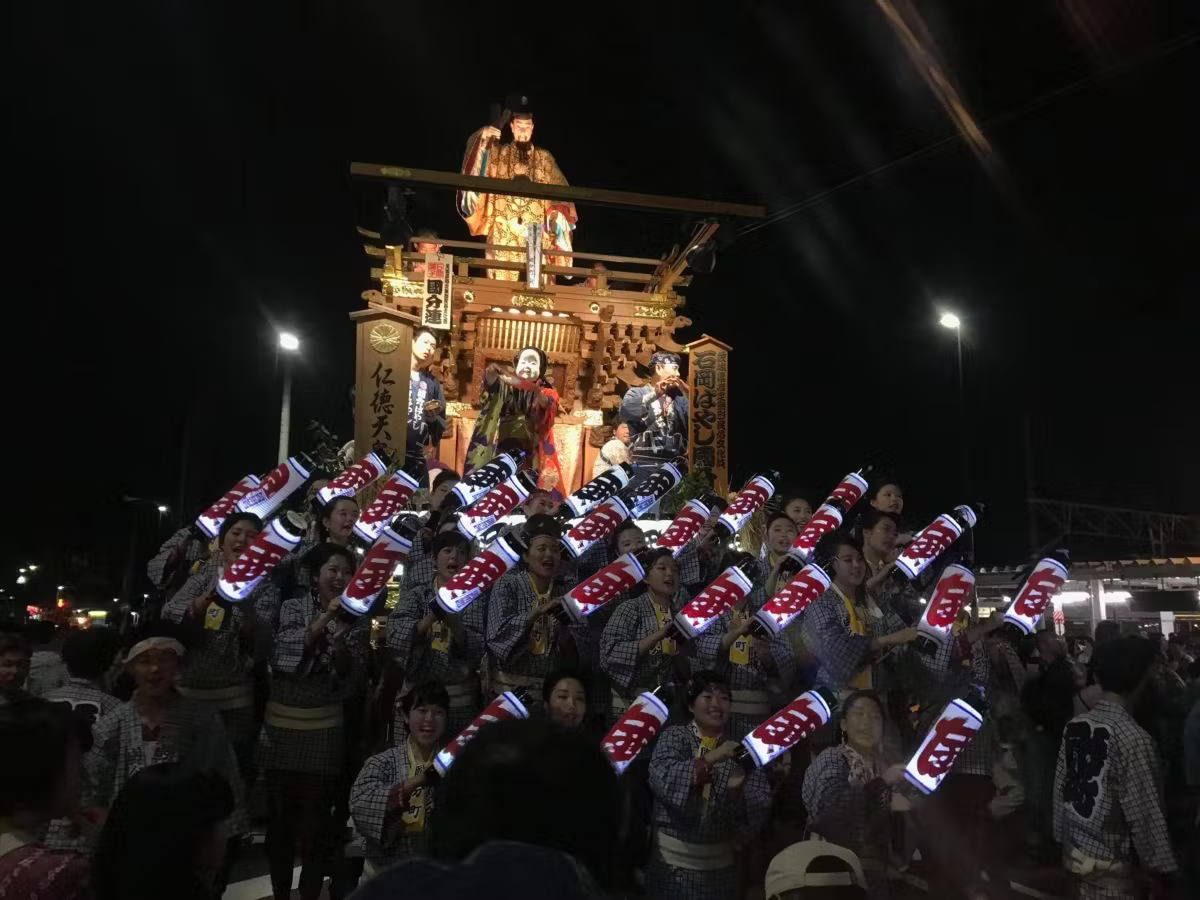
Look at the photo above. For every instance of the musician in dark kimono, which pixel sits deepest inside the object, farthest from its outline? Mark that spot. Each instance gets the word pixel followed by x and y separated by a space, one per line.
pixel 638 649
pixel 426 404
pixel 704 802
pixel 158 725
pixel 390 802
pixel 223 638
pixel 317 662
pixel 1108 789
pixel 760 670
pixel 657 413
pixel 526 640
pixel 431 645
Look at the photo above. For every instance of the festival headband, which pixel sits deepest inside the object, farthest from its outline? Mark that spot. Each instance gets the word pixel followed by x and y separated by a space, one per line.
pixel 154 643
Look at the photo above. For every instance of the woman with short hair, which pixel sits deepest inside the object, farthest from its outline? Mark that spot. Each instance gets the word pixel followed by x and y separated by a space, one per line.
pixel 704 801
pixel 391 801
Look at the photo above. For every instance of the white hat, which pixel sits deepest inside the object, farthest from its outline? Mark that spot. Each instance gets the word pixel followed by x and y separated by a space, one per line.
pixel 788 871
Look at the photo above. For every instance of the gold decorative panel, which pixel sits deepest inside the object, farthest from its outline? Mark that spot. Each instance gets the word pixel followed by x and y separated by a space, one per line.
pixel 513 334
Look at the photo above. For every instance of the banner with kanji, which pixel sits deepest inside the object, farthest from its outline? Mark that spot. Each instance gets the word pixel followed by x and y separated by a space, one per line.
pixel 708 430
pixel 439 280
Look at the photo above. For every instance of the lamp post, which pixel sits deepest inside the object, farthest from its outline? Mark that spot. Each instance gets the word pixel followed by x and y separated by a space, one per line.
pixel 289 344
pixel 951 321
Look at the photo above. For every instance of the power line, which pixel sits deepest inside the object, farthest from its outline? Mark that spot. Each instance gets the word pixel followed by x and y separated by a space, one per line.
pixel 1161 51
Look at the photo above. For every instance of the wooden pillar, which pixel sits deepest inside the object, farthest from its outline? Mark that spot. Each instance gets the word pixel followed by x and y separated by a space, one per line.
pixel 708 430
pixel 382 363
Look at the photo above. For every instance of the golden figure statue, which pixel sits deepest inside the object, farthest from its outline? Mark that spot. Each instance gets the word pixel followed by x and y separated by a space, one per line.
pixel 502 218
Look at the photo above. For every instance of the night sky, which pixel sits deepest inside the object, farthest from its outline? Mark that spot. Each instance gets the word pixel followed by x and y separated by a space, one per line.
pixel 182 190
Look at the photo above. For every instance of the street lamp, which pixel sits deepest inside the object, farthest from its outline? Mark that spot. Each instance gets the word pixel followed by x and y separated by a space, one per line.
pixel 289 344
pixel 21 579
pixel 951 321
pixel 163 508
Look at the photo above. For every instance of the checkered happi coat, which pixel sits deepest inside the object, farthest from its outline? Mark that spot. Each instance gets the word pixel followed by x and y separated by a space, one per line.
pixel 632 621
pixel 1108 800
pixel 307 679
pixel 421 662
pixel 512 597
pixel 681 812
pixel 190 733
pixel 385 843
pixel 775 677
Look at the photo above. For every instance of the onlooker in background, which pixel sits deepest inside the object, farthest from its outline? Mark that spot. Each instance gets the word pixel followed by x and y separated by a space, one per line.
pixel 14 666
pixel 1108 808
pixel 815 870
pixel 165 837
pixel 159 726
pixel 46 668
pixel 614 452
pixel 88 656
pixel 40 749
pixel 1047 698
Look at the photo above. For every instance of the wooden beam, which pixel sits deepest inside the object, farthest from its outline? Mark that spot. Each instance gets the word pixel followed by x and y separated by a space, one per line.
pixel 571 194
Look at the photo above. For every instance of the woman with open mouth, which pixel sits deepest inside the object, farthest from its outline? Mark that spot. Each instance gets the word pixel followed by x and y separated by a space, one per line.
pixel 319 660
pixel 391 802
pixel 432 645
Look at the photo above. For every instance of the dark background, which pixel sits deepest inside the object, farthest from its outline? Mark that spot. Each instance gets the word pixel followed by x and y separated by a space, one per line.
pixel 181 187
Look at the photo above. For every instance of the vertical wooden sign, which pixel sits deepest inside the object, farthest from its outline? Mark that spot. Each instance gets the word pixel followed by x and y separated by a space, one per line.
pixel 382 363
pixel 708 430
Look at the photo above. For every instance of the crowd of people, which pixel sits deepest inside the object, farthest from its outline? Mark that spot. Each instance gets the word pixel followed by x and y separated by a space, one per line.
pixel 134 767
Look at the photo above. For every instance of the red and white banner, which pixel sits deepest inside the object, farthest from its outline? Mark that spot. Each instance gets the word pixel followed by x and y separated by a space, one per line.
pixel 375 571
pixel 505 706
pixel 824 520
pixel 793 598
pixel 592 593
pixel 496 504
pixel 210 520
pixel 279 484
pixel 598 525
pixel 930 542
pixel 638 727
pixel 478 575
pixel 949 596
pixel 1043 583
pixel 788 727
pixel 365 471
pixel 849 491
pixel 394 495
pixel 683 527
pixel 943 743
pixel 245 573
pixel 729 589
pixel 598 490
pixel 749 500
pixel 479 481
